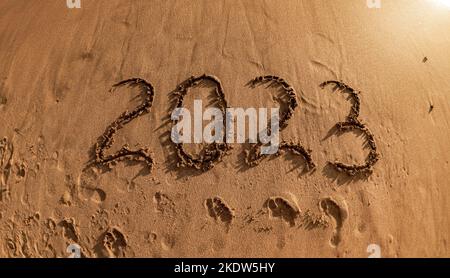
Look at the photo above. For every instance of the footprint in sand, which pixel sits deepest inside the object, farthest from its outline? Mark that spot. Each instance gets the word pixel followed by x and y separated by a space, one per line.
pixel 6 162
pixel 89 190
pixel 95 195
pixel 165 205
pixel 70 230
pixel 336 212
pixel 220 211
pixel 279 207
pixel 111 244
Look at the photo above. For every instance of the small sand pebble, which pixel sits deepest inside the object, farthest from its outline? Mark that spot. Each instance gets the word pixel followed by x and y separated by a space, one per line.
pixel 66 198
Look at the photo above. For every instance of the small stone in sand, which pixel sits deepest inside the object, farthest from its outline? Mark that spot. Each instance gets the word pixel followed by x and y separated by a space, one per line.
pixel 66 198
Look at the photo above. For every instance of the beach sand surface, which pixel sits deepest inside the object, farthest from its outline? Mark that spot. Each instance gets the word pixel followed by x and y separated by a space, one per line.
pixel 57 69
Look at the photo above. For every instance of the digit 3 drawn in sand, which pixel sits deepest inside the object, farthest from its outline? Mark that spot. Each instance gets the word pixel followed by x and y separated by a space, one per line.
pixel 254 156
pixel 214 152
pixel 220 211
pixel 107 139
pixel 352 123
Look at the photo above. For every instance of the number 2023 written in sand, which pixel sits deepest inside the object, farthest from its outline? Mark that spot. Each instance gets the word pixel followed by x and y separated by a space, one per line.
pixel 214 152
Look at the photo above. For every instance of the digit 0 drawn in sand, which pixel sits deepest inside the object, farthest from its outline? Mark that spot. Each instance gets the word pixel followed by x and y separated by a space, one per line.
pixel 254 156
pixel 214 152
pixel 107 139
pixel 219 210
pixel 336 212
pixel 352 123
pixel 6 160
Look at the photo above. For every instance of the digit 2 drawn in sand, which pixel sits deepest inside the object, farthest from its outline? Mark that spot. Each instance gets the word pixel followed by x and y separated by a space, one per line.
pixel 254 156
pixel 353 123
pixel 107 139
pixel 214 152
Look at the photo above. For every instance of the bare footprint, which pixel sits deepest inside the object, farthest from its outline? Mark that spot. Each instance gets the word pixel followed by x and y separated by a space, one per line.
pixel 338 213
pixel 95 195
pixel 220 211
pixel 98 196
pixel 112 244
pixel 282 208
pixel 6 160
pixel 165 205
pixel 70 231
pixel 89 190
